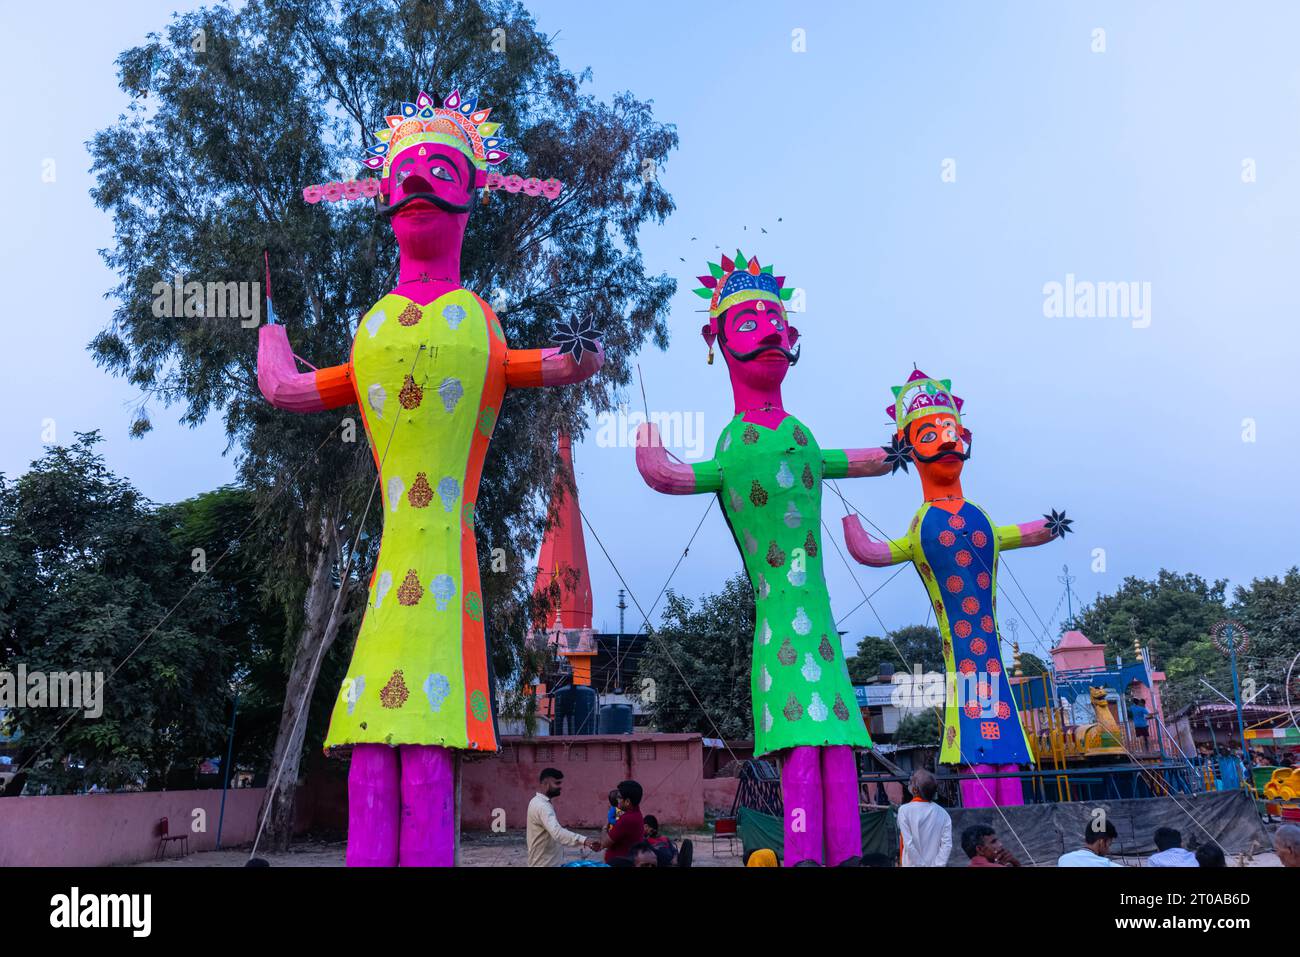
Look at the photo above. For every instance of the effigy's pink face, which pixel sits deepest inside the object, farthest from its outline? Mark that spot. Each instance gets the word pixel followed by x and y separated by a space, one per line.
pixel 429 188
pixel 758 342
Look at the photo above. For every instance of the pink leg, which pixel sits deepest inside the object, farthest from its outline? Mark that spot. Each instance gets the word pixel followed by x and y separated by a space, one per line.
pixel 801 792
pixel 1010 791
pixel 428 806
pixel 840 794
pixel 374 806
pixel 982 792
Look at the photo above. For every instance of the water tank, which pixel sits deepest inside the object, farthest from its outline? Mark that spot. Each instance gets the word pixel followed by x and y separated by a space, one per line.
pixel 563 703
pixel 616 719
pixel 583 718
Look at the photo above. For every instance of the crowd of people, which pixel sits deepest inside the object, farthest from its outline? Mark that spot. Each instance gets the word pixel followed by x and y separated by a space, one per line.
pixel 632 839
pixel 628 839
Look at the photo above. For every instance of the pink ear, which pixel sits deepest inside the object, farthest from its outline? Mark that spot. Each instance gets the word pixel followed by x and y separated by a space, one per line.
pixel 480 178
pixel 794 335
pixel 708 333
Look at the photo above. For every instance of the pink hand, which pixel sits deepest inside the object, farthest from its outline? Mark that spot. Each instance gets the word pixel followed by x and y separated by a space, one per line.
pixel 659 471
pixel 563 370
pixel 864 548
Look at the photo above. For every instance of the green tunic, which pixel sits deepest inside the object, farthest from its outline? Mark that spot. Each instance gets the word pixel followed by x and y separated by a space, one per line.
pixel 769 483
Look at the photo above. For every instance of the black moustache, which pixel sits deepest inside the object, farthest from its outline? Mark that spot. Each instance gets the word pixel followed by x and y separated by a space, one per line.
pixel 791 357
pixel 963 456
pixel 442 204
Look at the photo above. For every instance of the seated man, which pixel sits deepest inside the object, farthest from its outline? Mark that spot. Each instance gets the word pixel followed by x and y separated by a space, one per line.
pixel 663 846
pixel 1097 840
pixel 981 844
pixel 1170 851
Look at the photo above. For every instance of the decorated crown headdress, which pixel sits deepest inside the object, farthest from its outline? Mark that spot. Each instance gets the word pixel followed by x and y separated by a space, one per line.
pixel 457 123
pixel 743 280
pixel 921 396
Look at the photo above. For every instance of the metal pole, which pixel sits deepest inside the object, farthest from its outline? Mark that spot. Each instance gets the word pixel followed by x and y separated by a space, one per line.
pixel 1236 689
pixel 225 771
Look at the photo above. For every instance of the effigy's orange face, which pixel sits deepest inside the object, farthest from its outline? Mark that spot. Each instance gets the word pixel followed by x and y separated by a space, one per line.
pixel 940 445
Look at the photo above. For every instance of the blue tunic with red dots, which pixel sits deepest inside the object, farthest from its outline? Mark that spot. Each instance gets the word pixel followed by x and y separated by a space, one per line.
pixel 956 555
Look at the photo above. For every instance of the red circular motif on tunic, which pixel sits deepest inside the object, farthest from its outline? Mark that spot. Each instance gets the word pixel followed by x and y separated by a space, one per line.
pixel 1004 710
pixel 954 583
pixel 984 689
pixel 967 667
pixel 970 605
pixel 979 539
pixel 983 580
pixel 963 558
pixel 961 628
pixel 946 537
pixel 973 709
pixel 956 521
pixel 979 646
pixel 994 667
pixel 987 623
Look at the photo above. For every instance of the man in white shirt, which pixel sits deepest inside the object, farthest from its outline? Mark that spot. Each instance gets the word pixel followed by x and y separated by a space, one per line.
pixel 545 833
pixel 1097 840
pixel 1170 851
pixel 924 828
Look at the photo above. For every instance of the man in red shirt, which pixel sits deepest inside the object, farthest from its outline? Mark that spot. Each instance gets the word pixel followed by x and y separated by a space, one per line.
pixel 629 829
pixel 982 846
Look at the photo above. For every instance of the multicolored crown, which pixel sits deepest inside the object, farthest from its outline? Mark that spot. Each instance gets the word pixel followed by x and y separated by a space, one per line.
pixel 740 281
pixel 456 123
pixel 921 396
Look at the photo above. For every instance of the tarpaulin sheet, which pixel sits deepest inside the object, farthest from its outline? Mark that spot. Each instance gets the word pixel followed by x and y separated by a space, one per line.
pixel 757 830
pixel 1040 833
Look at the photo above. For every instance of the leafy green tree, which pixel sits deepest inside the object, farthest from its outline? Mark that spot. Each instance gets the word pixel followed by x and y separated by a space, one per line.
pixel 695 670
pixel 206 170
pixel 917 645
pixel 91 573
pixel 1172 616
pixel 924 727
pixel 1269 610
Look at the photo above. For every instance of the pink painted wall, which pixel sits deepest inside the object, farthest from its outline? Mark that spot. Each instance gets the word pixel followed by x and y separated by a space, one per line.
pixel 668 766
pixel 96 830
pixel 720 794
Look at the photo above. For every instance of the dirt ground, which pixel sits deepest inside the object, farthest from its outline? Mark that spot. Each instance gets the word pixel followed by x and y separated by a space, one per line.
pixel 508 850
pixel 476 850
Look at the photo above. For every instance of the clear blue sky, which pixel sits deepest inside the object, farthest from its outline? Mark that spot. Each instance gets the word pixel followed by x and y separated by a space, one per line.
pixel 1122 166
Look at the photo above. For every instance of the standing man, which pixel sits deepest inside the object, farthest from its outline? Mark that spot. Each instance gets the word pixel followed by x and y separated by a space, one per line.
pixel 1287 844
pixel 629 830
pixel 1097 840
pixel 924 828
pixel 546 835
pixel 1138 713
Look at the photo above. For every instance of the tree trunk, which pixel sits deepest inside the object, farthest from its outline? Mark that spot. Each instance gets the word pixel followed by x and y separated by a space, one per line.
pixel 323 613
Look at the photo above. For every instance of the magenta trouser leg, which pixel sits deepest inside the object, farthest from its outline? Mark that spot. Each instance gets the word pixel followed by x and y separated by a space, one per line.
pixel 1010 790
pixel 801 793
pixel 428 807
pixel 374 806
pixel 981 792
pixel 843 822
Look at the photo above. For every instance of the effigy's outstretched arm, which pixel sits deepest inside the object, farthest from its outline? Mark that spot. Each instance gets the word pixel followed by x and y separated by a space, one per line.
pixel 286 388
pixel 664 475
pixel 870 551
pixel 1037 532
pixel 533 368
pixel 855 463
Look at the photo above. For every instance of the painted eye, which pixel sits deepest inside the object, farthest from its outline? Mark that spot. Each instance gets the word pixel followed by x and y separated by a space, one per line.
pixel 749 325
pixel 440 172
pixel 929 435
pixel 778 325
pixel 401 175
